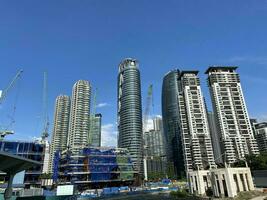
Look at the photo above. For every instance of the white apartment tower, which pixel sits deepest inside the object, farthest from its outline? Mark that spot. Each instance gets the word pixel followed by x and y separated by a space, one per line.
pixel 236 137
pixel 61 126
pixel 194 127
pixel 79 115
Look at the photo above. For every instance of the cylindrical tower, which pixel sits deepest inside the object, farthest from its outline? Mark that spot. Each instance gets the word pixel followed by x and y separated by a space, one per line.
pixel 130 111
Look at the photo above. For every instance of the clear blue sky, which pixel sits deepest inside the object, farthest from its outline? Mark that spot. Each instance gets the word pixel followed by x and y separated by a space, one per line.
pixel 86 39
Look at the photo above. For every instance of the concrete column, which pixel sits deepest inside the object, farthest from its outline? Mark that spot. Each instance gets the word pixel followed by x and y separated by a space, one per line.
pixel 214 184
pixel 250 182
pixel 8 191
pixel 194 184
pixel 230 182
pixel 245 181
pixel 221 184
pixel 191 182
pixel 239 182
pixel 201 187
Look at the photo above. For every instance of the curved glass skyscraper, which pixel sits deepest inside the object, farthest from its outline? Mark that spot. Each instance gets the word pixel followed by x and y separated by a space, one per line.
pixel 130 111
pixel 170 115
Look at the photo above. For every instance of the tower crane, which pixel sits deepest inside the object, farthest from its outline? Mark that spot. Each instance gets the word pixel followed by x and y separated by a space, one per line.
pixel 3 95
pixel 149 103
pixel 45 133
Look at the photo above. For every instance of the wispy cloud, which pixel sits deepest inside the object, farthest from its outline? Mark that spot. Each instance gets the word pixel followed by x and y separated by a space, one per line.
pixel 101 105
pixel 109 135
pixel 261 60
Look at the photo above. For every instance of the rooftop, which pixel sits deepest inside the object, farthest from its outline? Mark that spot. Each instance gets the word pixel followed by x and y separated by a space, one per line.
pixel 188 72
pixel 213 68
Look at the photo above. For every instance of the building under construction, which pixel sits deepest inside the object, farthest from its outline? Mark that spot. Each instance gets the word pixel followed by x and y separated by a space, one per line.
pixel 96 167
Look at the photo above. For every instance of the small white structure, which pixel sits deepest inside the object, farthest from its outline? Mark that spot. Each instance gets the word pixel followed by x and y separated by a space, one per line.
pixel 225 182
pixel 65 190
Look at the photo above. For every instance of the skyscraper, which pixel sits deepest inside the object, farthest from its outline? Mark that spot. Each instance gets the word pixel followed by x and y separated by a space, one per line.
pixel 79 115
pixel 235 131
pixel 170 117
pixel 130 111
pixel 61 126
pixel 155 149
pixel 261 136
pixel 194 127
pixel 95 133
pixel 155 139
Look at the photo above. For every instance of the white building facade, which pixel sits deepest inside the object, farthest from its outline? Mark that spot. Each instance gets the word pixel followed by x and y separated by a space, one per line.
pixel 78 136
pixel 225 182
pixel 60 127
pixel 195 133
pixel 235 131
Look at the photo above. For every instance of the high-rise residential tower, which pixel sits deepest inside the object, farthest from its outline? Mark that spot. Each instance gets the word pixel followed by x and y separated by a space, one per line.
pixel 261 136
pixel 79 115
pixel 95 133
pixel 130 111
pixel 61 126
pixel 170 117
pixel 194 127
pixel 236 137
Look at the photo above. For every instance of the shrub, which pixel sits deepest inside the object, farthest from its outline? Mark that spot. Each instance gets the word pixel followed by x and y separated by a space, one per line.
pixel 179 194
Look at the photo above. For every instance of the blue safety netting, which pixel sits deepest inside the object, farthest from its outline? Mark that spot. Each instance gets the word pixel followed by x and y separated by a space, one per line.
pixel 56 166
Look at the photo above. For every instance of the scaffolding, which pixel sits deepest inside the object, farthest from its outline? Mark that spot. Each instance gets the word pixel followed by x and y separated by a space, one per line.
pixel 93 165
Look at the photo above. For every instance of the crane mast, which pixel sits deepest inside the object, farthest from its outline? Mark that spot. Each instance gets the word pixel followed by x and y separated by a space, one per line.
pixel 45 133
pixel 149 103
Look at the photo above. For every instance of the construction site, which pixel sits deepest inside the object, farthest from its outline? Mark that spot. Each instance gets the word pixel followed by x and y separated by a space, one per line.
pixel 94 168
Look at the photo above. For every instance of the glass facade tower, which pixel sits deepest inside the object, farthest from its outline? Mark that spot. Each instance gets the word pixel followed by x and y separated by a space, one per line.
pixel 95 133
pixel 171 123
pixel 130 111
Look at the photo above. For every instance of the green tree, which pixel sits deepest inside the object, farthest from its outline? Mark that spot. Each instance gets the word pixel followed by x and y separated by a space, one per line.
pixel 255 162
pixel 258 162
